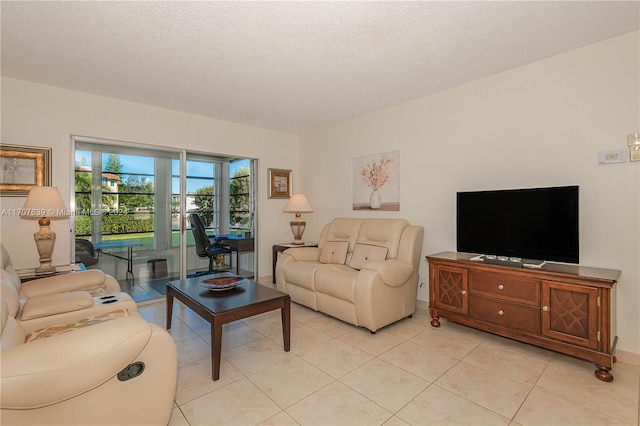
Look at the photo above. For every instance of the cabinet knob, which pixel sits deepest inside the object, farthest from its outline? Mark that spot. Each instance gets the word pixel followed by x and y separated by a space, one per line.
pixel 500 287
pixel 500 312
pixel 545 308
pixel 464 291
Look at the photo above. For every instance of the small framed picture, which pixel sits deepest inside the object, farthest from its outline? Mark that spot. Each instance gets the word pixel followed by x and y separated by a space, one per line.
pixel 22 167
pixel 279 183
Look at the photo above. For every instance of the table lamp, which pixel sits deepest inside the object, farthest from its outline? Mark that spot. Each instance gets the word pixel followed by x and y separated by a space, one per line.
pixel 43 203
pixel 297 204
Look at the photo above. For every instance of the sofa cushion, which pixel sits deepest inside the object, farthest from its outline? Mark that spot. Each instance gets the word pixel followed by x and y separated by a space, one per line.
pixel 342 229
pixel 338 281
pixel 383 232
pixel 42 306
pixel 334 252
pixel 365 252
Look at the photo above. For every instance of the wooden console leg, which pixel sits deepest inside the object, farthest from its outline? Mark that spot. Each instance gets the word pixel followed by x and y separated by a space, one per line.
pixel 435 322
pixel 603 374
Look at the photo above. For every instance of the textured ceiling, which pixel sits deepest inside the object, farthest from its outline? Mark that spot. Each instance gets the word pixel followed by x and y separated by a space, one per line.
pixel 290 66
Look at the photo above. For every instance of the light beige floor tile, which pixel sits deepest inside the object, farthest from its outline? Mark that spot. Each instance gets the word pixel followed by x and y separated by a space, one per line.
pixel 336 358
pixel 331 326
pixel 336 404
pixel 280 419
pixel 405 328
pixel 197 324
pixel 541 408
pixel 239 403
pixel 485 388
pixel 191 350
pixel 626 375
pixel 233 335
pixel 437 406
pixel 303 338
pixel 267 323
pixel 451 339
pixel 395 421
pixel 179 330
pixel 290 380
pixel 579 386
pixel 255 356
pixel 374 344
pixel 417 359
pixel 177 418
pixel 509 359
pixel 385 384
pixel 194 380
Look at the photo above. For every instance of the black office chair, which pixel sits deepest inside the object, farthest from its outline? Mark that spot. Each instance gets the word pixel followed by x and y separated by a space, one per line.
pixel 204 246
pixel 85 253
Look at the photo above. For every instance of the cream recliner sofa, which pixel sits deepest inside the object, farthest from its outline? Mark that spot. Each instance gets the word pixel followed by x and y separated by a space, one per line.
pixel 364 271
pixel 109 369
pixel 62 298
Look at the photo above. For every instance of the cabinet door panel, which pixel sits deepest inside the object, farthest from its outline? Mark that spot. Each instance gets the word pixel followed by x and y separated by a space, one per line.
pixel 450 293
pixel 570 313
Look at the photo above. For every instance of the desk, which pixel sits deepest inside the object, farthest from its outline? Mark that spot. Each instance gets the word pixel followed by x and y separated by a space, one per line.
pixel 278 248
pixel 129 245
pixel 238 245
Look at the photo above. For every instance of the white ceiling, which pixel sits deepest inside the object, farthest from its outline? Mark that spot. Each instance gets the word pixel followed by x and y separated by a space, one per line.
pixel 290 66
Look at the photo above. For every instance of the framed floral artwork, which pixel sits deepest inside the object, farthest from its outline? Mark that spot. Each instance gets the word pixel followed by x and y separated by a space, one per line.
pixel 22 167
pixel 279 183
pixel 376 182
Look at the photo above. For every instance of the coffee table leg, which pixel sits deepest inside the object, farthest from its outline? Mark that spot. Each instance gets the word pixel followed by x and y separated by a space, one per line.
pixel 169 308
pixel 285 312
pixel 216 347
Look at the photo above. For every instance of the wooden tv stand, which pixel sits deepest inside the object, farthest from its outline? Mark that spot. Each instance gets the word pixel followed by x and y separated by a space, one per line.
pixel 565 308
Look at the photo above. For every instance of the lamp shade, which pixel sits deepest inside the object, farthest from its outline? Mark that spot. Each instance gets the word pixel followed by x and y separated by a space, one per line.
pixel 298 204
pixel 43 201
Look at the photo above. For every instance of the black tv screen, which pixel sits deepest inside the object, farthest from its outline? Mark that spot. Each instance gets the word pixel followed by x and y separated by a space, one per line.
pixel 537 223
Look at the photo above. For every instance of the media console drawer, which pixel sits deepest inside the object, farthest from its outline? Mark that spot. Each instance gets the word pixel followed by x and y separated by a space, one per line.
pixel 505 286
pixel 565 308
pixel 505 314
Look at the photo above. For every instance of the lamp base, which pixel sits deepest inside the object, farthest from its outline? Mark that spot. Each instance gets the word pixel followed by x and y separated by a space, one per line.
pixel 297 227
pixel 45 239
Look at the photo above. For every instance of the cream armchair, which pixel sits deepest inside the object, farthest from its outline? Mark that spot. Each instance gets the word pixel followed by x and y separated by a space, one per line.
pixel 364 271
pixel 110 369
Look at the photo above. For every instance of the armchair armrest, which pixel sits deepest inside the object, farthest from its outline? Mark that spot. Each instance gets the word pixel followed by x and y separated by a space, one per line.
pixel 303 254
pixel 56 368
pixel 392 272
pixel 68 282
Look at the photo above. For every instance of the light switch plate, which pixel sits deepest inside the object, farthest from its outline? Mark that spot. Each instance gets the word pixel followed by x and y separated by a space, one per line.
pixel 611 157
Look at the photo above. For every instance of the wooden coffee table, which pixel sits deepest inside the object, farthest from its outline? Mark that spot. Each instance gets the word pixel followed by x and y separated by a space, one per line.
pixel 221 307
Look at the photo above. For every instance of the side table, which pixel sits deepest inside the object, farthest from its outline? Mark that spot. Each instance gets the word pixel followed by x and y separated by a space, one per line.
pixel 30 274
pixel 280 247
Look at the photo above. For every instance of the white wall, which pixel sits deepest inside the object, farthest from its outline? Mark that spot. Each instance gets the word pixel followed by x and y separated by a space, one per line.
pixel 46 116
pixel 539 125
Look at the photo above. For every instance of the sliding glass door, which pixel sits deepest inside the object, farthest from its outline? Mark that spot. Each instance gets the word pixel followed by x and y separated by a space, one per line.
pixel 132 204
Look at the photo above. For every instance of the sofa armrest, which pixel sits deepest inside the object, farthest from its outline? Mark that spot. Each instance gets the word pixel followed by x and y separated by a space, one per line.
pixel 392 272
pixel 72 281
pixel 303 254
pixel 52 369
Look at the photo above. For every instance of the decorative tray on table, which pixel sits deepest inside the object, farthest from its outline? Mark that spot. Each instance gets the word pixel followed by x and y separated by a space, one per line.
pixel 222 281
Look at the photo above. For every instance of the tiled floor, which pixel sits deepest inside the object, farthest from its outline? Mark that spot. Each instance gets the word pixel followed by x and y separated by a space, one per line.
pixel 407 373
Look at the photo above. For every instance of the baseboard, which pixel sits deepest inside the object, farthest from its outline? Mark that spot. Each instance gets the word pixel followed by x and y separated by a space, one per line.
pixel 422 307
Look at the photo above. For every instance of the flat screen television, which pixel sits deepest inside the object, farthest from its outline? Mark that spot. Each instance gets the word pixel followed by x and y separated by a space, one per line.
pixel 533 223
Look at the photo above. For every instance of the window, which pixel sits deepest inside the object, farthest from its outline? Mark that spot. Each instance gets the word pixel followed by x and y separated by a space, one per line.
pixel 240 195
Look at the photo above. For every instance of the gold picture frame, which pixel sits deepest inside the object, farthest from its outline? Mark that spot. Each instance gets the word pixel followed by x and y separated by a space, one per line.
pixel 279 183
pixel 23 167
